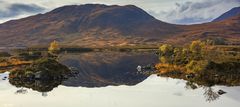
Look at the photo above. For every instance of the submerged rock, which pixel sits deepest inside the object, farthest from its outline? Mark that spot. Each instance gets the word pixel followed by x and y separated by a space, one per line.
pixel 4 76
pixel 189 76
pixel 139 68
pixel 221 92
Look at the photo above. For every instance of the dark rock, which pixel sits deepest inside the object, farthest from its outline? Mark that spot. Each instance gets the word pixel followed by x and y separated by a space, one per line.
pixel 191 75
pixel 221 92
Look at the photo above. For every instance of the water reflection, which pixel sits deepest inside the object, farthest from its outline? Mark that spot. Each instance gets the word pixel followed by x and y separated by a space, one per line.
pixel 206 81
pixel 210 94
pixel 115 69
pixel 37 85
pixel 90 69
pixel 204 74
pixel 42 75
pixel 104 69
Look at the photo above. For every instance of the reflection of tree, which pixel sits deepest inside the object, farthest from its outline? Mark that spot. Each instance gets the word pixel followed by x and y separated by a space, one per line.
pixel 42 75
pixel 207 66
pixel 38 85
pixel 191 85
pixel 21 91
pixel 44 94
pixel 209 94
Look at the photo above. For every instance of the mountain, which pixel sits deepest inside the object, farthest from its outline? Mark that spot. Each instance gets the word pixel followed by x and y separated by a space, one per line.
pixel 227 29
pixel 97 25
pixel 233 12
pixel 83 23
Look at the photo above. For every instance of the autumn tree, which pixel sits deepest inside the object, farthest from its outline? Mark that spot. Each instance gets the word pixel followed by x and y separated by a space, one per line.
pixel 54 47
pixel 196 46
pixel 198 49
pixel 166 49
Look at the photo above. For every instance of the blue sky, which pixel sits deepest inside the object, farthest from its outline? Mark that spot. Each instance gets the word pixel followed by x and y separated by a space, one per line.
pixel 172 11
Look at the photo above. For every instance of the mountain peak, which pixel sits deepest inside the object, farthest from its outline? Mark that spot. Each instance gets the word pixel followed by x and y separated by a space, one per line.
pixel 231 13
pixel 92 20
pixel 94 10
pixel 86 7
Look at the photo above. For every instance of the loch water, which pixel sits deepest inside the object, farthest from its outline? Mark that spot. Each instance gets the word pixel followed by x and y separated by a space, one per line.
pixel 110 79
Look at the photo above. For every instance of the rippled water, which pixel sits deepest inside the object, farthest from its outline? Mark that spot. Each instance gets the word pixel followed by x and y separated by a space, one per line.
pixel 109 80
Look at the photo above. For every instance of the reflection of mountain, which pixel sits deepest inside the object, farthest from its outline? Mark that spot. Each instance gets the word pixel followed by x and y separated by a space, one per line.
pixel 103 69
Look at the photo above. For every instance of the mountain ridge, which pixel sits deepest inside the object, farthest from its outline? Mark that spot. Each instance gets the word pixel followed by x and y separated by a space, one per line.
pixel 231 13
pixel 97 25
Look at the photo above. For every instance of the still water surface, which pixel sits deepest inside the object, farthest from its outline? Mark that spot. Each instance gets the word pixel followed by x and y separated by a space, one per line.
pixel 110 80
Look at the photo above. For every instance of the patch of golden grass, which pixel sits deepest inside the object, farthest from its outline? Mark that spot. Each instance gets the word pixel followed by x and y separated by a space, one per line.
pixel 165 68
pixel 14 62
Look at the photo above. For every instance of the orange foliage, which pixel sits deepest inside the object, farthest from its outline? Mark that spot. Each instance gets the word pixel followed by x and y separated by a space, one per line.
pixel 13 62
pixel 165 68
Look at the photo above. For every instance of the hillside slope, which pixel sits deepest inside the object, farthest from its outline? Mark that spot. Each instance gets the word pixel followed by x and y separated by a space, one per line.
pixel 96 25
pixel 228 29
pixel 81 22
pixel 231 13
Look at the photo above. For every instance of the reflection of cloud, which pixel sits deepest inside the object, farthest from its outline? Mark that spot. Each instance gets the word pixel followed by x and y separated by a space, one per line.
pixel 178 82
pixel 178 94
pixel 233 92
pixel 14 10
pixel 4 84
pixel 198 12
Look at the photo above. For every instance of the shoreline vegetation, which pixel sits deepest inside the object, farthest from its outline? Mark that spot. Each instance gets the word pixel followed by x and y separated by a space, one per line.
pixel 97 49
pixel 14 58
pixel 191 58
pixel 202 62
pixel 42 73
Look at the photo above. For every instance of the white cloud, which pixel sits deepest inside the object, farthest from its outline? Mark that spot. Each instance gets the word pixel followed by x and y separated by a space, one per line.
pixel 197 12
pixel 17 10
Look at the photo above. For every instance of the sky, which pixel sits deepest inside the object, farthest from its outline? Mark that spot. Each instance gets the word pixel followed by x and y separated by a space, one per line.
pixel 171 11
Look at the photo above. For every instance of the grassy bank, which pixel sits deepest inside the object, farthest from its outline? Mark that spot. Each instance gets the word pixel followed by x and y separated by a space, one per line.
pixel 198 57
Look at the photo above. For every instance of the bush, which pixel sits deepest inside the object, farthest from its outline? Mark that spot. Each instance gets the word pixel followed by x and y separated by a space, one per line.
pixel 48 69
pixel 166 49
pixel 197 66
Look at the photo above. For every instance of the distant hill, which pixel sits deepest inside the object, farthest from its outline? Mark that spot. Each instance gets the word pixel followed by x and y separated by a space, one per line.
pixel 233 12
pixel 227 29
pixel 96 25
